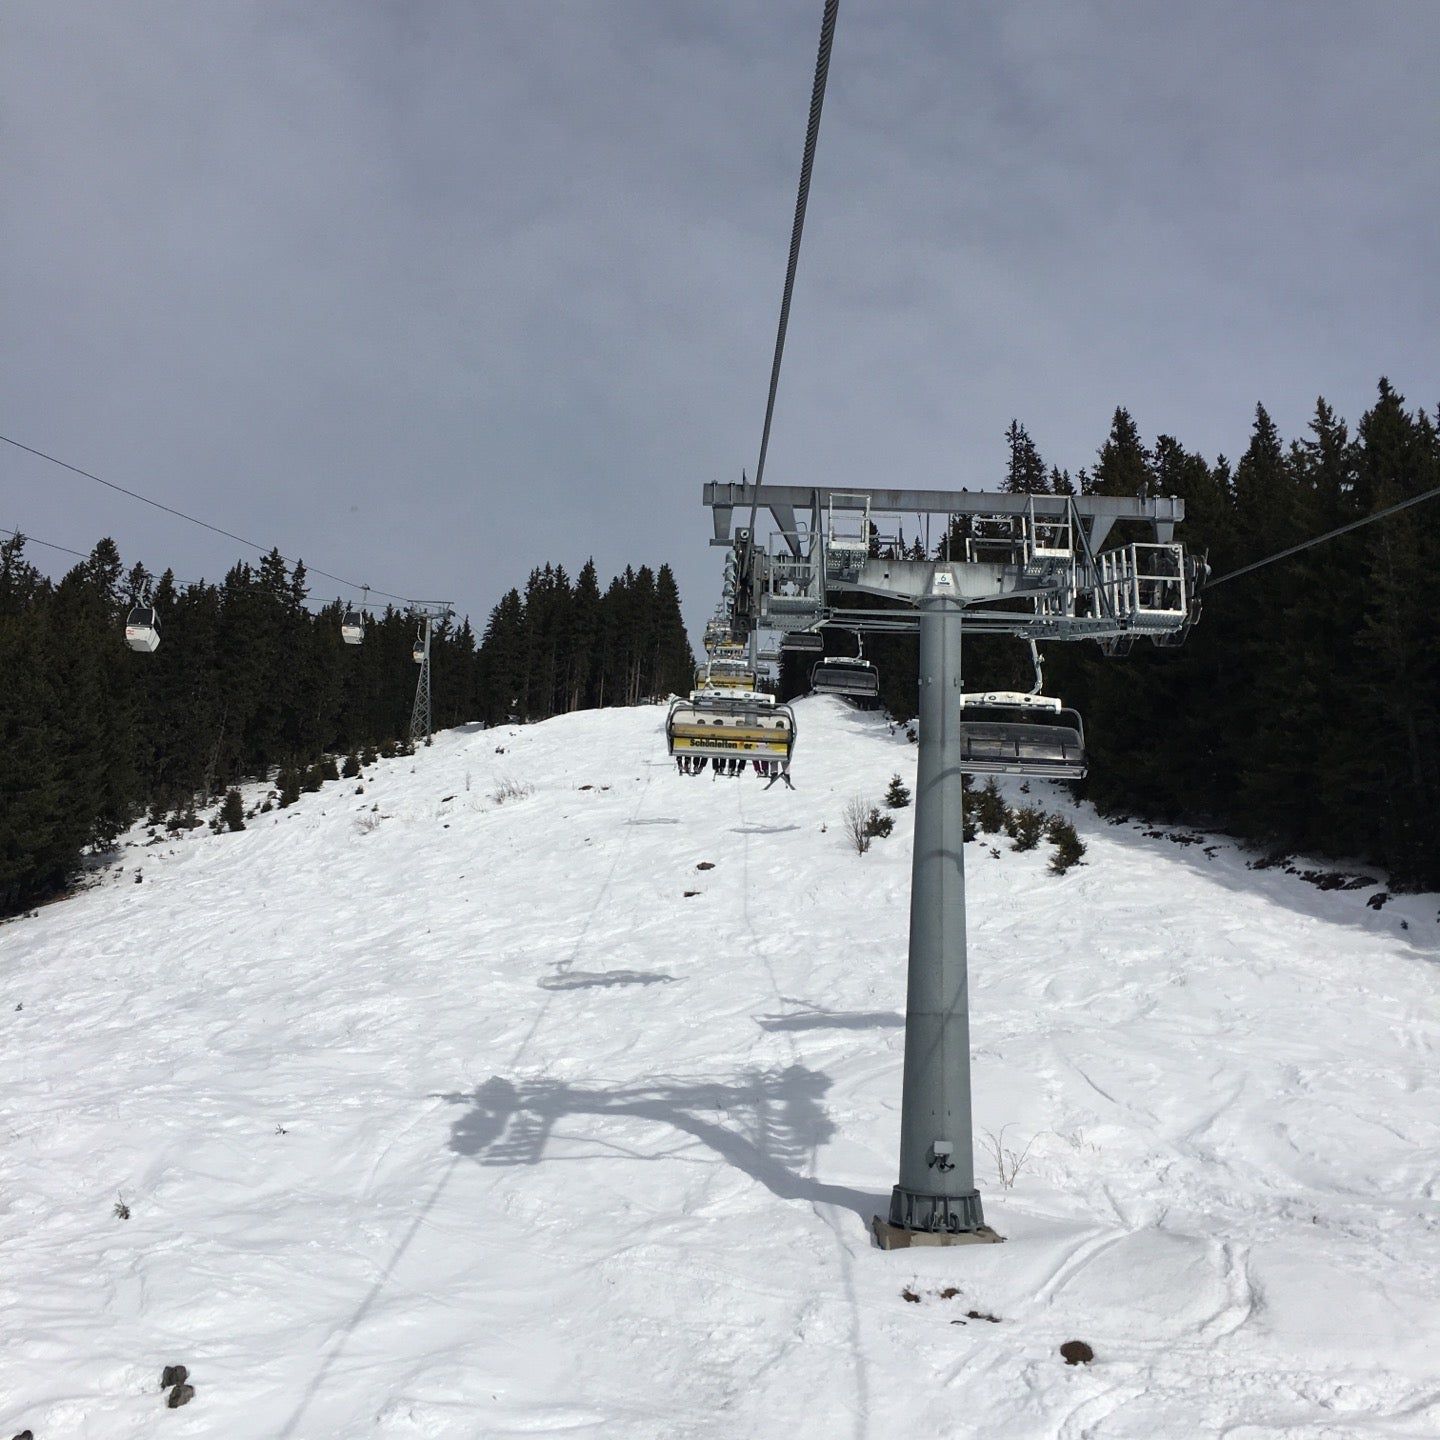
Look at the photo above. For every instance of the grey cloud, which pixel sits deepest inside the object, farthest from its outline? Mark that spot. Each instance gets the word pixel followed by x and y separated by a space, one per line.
pixel 430 293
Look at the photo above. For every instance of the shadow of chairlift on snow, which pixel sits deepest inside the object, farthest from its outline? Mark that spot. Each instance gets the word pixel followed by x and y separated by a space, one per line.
pixel 812 1017
pixel 602 979
pixel 768 1123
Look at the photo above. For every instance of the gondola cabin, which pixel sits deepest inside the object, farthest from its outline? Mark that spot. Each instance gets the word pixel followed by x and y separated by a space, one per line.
pixel 352 627
pixel 142 630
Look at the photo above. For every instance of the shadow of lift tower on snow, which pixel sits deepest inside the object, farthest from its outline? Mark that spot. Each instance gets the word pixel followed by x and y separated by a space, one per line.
pixel 768 1123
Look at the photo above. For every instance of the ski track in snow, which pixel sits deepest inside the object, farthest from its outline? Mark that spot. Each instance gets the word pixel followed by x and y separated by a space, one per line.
pixel 569 1153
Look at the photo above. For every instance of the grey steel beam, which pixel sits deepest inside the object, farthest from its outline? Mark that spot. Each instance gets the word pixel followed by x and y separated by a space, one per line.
pixel 1158 510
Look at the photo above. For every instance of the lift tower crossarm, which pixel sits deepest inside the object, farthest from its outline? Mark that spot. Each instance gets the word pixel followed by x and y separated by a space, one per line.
pixel 1163 512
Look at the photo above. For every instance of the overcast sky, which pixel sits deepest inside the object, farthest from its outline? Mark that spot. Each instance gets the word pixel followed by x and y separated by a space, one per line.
pixel 428 293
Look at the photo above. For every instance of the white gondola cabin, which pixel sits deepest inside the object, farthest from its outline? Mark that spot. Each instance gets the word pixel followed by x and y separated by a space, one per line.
pixel 352 626
pixel 142 629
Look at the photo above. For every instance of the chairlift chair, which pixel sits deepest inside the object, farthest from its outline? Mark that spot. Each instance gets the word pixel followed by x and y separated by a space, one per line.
pixel 728 732
pixel 1006 732
pixel 417 652
pixel 728 675
pixel 804 642
pixel 852 677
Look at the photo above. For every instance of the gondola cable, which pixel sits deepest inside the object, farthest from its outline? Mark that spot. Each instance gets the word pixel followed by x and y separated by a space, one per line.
pixel 1328 535
pixel 204 524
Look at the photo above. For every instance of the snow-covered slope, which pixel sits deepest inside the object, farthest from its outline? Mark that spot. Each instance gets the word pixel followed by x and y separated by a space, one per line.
pixel 461 1119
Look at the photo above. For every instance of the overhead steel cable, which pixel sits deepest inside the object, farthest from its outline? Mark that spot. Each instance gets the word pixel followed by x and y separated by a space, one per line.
pixel 205 524
pixel 1328 535
pixel 802 197
pixel 48 544
pixel 29 539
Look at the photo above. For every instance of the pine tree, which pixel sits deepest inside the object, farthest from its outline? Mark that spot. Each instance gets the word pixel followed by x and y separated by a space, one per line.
pixel 1025 472
pixel 1123 464
pixel 232 813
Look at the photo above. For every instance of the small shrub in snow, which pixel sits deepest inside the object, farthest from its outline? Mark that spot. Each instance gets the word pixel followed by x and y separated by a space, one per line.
pixel 122 1210
pixel 329 770
pixel 1069 848
pixel 878 826
pixel 366 823
pixel 897 797
pixel 289 782
pixel 232 812
pixel 368 755
pixel 856 823
pixel 351 768
pixel 989 808
pixel 1008 1163
pixel 1027 825
pixel 508 788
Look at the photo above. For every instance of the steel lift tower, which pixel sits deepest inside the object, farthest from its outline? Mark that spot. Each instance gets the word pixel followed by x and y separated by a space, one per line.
pixel 425 617
pixel 1033 566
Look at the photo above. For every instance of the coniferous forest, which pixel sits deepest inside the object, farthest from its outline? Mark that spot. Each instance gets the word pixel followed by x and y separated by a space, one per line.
pixel 1303 712
pixel 248 682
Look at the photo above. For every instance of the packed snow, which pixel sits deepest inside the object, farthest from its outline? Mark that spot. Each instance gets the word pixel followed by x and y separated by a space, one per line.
pixel 480 1105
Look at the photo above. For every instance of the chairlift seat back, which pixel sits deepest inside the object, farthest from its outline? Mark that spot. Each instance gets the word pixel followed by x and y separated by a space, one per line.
pixel 843 676
pixel 803 642
pixel 1002 747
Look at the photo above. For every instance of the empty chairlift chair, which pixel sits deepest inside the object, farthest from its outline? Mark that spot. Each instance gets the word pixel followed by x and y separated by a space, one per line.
pixel 804 642
pixel 1009 733
pixel 843 675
